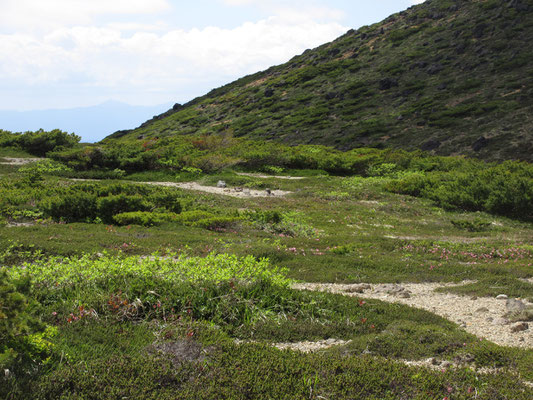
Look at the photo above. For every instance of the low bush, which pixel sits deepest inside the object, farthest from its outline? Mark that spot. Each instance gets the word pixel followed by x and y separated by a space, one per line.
pixel 23 338
pixel 73 206
pixel 216 223
pixel 39 142
pixel 144 218
pixel 282 223
pixel 476 225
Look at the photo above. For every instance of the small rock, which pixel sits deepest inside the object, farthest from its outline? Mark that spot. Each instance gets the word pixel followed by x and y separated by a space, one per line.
pixel 490 319
pixel 482 310
pixel 519 327
pixel 464 359
pixel 435 69
pixel 358 288
pixel 387 83
pixel 514 305
pixel 480 143
pixel 433 361
pixel 430 145
pixel 501 297
pixel 221 184
pixel 500 321
pixel 446 364
pixel 268 192
pixel 404 295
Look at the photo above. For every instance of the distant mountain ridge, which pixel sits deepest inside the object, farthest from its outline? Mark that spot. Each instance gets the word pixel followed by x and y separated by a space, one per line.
pixel 91 123
pixel 447 76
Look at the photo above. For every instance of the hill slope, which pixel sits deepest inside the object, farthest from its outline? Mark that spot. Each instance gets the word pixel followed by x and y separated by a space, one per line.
pixel 449 76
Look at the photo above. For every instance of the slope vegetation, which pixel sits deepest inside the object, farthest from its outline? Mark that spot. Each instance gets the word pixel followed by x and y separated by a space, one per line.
pixel 449 76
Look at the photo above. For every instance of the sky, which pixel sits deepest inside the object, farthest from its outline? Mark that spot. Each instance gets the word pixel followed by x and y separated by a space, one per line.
pixel 79 53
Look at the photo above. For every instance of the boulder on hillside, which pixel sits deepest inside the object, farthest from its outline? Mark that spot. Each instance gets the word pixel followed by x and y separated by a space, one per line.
pixel 480 143
pixel 387 83
pixel 430 145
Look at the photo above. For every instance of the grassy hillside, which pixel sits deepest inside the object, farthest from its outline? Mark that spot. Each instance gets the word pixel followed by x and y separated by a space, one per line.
pixel 449 76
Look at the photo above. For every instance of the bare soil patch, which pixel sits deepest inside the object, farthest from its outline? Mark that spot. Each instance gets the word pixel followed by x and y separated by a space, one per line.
pixel 18 161
pixel 233 192
pixel 483 316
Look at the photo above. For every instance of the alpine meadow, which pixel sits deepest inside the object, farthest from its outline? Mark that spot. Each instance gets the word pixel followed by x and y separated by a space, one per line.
pixel 356 223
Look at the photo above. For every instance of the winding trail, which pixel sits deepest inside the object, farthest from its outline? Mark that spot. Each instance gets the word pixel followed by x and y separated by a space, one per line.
pixel 233 192
pixel 480 316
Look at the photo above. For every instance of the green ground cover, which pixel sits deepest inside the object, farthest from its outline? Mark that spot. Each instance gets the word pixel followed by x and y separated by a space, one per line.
pixel 151 308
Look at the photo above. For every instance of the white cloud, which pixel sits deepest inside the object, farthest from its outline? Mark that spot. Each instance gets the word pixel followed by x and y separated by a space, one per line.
pixel 31 15
pixel 152 61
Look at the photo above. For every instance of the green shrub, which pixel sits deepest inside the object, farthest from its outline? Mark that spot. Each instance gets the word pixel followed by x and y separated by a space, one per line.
pixel 74 206
pixel 168 200
pixel 216 223
pixel 23 344
pixel 476 225
pixel 190 217
pixel 39 142
pixel 143 218
pixel 117 204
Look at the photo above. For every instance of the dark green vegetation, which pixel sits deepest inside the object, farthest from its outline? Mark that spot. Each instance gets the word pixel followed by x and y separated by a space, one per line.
pixel 450 76
pixel 105 317
pixel 38 143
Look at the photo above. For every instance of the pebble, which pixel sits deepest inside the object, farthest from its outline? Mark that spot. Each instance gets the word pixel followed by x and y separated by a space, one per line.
pixel 501 297
pixel 514 305
pixel 500 321
pixel 519 327
pixel 358 288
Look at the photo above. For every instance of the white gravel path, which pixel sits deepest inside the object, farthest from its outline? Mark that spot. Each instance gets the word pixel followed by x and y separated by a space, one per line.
pixel 233 192
pixel 18 161
pixel 483 316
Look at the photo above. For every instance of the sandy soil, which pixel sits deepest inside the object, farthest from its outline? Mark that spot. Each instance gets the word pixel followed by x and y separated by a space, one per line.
pixel 18 161
pixel 233 192
pixel 483 316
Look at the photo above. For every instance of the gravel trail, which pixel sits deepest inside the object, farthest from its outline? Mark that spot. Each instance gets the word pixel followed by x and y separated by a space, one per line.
pixel 483 316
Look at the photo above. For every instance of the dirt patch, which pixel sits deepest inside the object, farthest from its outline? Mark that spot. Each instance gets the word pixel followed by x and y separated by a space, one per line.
pixel 304 347
pixel 18 161
pixel 20 224
pixel 484 317
pixel 233 192
pixel 180 351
